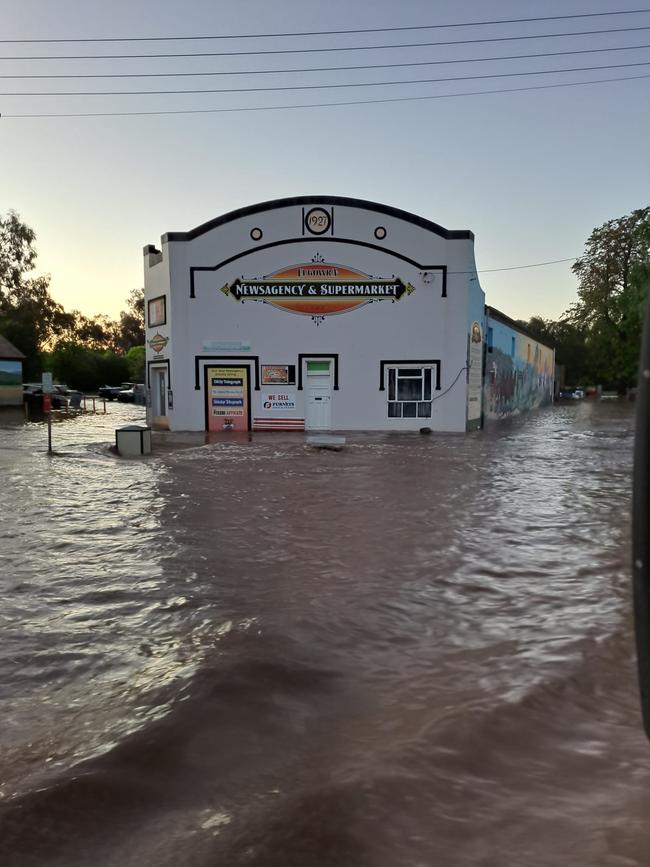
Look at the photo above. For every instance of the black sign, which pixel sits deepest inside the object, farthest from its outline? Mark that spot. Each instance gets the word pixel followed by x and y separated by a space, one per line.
pixel 271 289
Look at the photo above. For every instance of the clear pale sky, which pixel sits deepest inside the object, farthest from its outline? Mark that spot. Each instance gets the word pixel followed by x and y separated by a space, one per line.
pixel 530 173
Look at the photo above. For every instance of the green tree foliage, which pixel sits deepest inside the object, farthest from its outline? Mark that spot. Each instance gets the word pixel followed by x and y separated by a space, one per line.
pixel 83 351
pixel 29 316
pixel 84 368
pixel 571 349
pixel 614 273
pixel 130 330
pixel 598 339
pixel 135 358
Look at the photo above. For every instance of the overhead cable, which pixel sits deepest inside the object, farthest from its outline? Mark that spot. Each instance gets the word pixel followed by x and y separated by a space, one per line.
pixel 326 50
pixel 354 102
pixel 322 68
pixel 329 32
pixel 336 86
pixel 514 267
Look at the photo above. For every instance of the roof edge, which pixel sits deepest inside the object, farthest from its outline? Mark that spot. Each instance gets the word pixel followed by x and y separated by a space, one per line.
pixel 344 201
pixel 9 352
pixel 508 320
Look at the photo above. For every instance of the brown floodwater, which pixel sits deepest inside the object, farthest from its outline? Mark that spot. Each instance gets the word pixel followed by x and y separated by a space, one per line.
pixel 416 651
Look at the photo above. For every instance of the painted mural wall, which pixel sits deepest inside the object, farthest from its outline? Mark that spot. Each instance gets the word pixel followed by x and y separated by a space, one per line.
pixel 11 383
pixel 519 371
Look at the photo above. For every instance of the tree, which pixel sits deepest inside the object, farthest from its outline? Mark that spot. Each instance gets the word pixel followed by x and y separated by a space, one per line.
pixel 130 329
pixel 614 273
pixel 569 341
pixel 85 368
pixel 29 316
pixel 17 254
pixel 136 360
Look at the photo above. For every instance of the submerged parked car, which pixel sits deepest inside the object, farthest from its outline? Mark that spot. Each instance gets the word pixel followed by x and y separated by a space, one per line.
pixel 134 394
pixel 33 395
pixel 110 392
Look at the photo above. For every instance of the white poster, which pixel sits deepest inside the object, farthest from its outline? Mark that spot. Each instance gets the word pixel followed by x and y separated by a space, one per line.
pixel 475 378
pixel 279 401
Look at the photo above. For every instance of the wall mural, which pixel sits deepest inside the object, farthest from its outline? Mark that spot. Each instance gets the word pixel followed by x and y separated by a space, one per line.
pixel 11 382
pixel 318 289
pixel 523 381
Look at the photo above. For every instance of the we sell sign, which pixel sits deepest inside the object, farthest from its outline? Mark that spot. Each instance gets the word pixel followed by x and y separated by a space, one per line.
pixel 275 401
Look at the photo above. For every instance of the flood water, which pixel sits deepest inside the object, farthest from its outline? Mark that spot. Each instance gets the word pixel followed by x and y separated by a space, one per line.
pixel 417 651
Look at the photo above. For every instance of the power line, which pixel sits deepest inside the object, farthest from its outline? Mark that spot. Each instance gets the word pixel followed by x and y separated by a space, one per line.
pixel 355 102
pixel 515 267
pixel 278 51
pixel 276 88
pixel 324 68
pixel 330 32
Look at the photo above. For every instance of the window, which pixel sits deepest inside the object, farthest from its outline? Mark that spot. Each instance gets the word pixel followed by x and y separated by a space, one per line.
pixel 157 311
pixel 490 338
pixel 409 392
pixel 318 367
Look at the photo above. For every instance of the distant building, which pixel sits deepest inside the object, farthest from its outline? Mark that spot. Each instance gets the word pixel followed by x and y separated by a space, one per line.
pixel 519 371
pixel 11 374
pixel 324 313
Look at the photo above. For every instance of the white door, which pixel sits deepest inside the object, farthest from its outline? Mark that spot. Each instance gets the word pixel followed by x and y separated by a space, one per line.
pixel 319 399
pixel 158 397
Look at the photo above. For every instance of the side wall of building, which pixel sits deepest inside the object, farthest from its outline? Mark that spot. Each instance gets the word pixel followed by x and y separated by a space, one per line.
pixel 519 371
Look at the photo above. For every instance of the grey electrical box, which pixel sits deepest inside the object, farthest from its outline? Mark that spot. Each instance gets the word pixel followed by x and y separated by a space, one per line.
pixel 133 440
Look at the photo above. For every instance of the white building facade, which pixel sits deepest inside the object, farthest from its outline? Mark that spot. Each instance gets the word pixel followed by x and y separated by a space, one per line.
pixel 315 313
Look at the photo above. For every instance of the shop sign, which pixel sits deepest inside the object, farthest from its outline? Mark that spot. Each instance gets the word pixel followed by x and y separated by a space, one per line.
pixel 318 289
pixel 47 386
pixel 279 401
pixel 226 345
pixel 226 391
pixel 276 374
pixel 475 377
pixel 158 342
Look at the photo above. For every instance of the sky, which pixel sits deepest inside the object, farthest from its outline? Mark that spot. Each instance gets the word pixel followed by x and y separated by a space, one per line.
pixel 531 173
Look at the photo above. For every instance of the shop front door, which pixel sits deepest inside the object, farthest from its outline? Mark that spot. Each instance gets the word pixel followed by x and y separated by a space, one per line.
pixel 319 396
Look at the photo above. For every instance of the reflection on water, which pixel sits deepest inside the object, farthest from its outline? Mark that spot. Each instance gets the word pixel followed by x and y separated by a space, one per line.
pixel 415 651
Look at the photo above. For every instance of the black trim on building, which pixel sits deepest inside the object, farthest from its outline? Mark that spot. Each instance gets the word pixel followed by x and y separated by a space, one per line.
pixel 159 362
pixel 205 394
pixel 343 201
pixel 321 239
pixel 223 360
pixel 150 301
pixel 395 362
pixel 310 356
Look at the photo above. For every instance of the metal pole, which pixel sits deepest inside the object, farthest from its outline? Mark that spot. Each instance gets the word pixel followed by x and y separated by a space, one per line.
pixel 49 432
pixel 640 519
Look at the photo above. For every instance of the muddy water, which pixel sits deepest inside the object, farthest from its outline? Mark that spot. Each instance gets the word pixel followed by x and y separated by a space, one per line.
pixel 416 651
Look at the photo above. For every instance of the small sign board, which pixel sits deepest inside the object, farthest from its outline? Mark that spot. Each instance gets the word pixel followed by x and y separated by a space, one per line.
pixel 46 383
pixel 226 345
